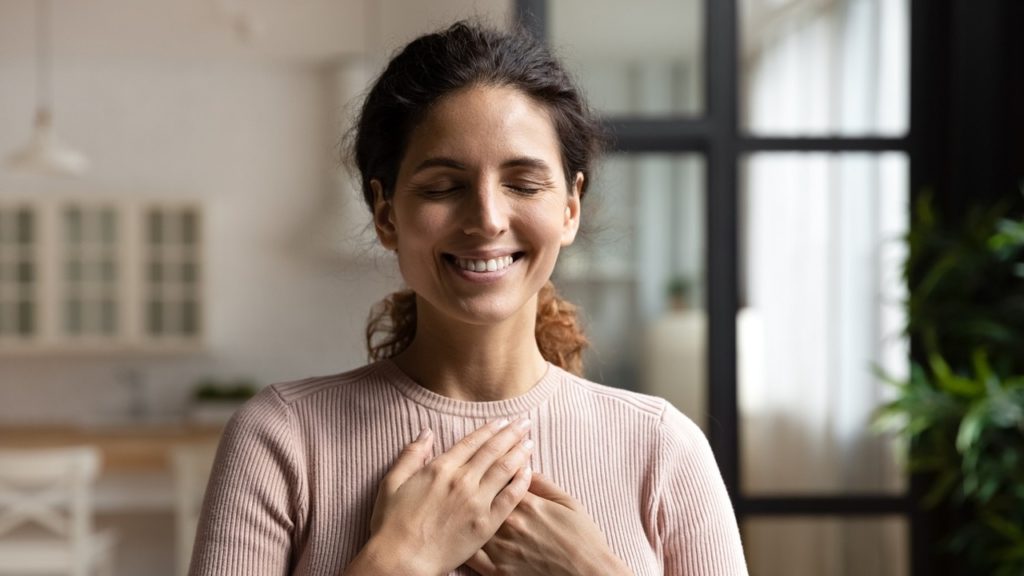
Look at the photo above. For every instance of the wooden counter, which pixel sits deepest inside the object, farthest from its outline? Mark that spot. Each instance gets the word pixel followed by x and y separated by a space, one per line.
pixel 126 449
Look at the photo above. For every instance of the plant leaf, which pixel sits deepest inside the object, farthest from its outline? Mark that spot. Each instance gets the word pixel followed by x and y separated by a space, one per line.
pixel 971 426
pixel 950 382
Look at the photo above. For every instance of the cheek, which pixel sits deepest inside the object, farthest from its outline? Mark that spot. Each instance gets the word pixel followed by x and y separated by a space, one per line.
pixel 419 228
pixel 546 224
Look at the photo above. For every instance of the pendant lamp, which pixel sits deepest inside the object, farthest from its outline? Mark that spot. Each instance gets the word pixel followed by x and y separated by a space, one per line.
pixel 45 153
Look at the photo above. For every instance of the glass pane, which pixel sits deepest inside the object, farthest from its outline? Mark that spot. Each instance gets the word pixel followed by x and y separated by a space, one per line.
pixel 188 227
pixel 833 546
pixel 155 318
pixel 155 273
pixel 26 272
pixel 172 318
pixel 821 294
pixel 74 271
pixel 189 318
pixel 108 227
pixel 108 317
pixel 634 58
pixel 73 316
pixel 637 274
pixel 188 272
pixel 73 226
pixel 816 67
pixel 25 227
pixel 156 228
pixel 26 318
pixel 109 269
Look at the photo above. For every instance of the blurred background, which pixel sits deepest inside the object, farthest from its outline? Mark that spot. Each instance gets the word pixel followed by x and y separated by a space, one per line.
pixel 176 231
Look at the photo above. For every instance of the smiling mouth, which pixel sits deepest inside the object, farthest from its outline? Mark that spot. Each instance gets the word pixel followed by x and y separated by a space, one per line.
pixel 481 265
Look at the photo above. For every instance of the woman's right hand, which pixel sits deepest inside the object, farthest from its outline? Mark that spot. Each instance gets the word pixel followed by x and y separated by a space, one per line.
pixel 432 515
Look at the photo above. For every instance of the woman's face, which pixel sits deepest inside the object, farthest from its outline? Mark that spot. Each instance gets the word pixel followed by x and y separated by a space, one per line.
pixel 480 207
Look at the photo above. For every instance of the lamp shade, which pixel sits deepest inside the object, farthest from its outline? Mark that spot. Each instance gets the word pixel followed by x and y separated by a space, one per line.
pixel 45 153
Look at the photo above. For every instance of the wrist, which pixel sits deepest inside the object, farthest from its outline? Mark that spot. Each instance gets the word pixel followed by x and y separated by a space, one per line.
pixel 381 559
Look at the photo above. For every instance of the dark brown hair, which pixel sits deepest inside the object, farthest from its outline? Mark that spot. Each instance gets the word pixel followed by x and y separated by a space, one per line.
pixel 429 68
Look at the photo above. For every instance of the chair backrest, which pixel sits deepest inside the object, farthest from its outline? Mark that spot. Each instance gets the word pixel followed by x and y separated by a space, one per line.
pixel 51 489
pixel 192 464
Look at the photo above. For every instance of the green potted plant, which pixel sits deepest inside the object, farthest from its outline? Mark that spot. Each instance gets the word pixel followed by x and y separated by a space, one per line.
pixel 214 400
pixel 961 411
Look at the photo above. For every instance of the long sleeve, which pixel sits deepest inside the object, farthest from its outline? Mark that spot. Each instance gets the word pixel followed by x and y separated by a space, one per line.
pixel 695 520
pixel 256 496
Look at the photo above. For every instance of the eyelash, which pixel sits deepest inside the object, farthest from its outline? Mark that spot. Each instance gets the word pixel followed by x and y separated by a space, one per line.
pixel 523 189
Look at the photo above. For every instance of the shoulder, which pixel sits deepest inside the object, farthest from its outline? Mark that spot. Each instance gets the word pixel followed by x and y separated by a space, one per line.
pixel 653 410
pixel 280 408
pixel 293 391
pixel 668 435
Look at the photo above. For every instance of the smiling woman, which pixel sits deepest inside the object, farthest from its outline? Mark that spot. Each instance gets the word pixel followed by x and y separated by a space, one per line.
pixel 477 221
pixel 470 444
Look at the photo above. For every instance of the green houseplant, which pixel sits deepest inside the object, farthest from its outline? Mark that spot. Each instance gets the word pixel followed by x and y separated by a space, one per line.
pixel 961 411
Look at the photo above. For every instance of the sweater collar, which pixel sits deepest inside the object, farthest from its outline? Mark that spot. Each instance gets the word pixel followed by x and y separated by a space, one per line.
pixel 532 398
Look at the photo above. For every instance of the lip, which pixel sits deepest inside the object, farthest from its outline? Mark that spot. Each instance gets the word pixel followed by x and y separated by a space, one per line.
pixel 488 254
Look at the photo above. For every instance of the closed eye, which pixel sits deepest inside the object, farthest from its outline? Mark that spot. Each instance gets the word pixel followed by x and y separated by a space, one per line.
pixel 526 190
pixel 439 192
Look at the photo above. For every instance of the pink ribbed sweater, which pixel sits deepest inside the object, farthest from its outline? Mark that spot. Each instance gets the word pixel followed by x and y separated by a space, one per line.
pixel 296 474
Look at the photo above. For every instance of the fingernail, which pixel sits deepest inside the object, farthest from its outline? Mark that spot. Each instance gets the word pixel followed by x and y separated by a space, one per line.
pixel 423 434
pixel 502 423
pixel 523 423
pixel 528 444
pixel 528 471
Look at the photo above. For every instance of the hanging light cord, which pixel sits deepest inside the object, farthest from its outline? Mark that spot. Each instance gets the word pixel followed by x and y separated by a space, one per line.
pixel 43 95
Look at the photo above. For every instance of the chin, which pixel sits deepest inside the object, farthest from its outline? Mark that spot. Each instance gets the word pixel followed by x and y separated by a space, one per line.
pixel 485 311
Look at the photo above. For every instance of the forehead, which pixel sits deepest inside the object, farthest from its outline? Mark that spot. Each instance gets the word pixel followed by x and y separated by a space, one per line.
pixel 484 125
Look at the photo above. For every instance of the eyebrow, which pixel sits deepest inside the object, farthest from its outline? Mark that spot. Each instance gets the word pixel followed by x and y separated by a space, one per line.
pixel 518 162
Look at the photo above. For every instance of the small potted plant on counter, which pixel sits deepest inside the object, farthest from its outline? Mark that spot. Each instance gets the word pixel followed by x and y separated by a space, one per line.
pixel 214 400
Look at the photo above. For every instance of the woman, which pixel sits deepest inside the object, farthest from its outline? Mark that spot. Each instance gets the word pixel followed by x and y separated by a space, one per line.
pixel 471 443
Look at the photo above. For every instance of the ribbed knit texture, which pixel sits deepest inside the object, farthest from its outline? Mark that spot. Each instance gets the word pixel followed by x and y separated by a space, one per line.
pixel 297 471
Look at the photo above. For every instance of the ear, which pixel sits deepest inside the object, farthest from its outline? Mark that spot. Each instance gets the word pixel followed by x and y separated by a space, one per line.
pixel 571 223
pixel 383 217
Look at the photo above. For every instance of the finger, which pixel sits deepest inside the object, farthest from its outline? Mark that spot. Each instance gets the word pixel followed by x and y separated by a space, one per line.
pixel 500 445
pixel 465 449
pixel 544 487
pixel 510 496
pixel 501 471
pixel 412 458
pixel 482 563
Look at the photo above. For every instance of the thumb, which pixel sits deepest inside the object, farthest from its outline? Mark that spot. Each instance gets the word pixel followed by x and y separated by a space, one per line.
pixel 544 487
pixel 413 457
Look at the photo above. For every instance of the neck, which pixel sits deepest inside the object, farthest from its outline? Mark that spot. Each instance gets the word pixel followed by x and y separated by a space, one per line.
pixel 471 362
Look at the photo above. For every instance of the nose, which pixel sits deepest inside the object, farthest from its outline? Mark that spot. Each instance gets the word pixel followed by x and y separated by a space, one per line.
pixel 485 212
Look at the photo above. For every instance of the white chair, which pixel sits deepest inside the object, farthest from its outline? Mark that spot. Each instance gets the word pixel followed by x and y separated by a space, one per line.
pixel 192 464
pixel 46 513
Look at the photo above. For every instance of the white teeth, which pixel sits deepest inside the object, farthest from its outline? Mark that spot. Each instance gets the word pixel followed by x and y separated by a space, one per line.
pixel 492 265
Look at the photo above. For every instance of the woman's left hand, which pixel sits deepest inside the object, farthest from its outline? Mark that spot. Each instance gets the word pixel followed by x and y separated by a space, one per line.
pixel 549 533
